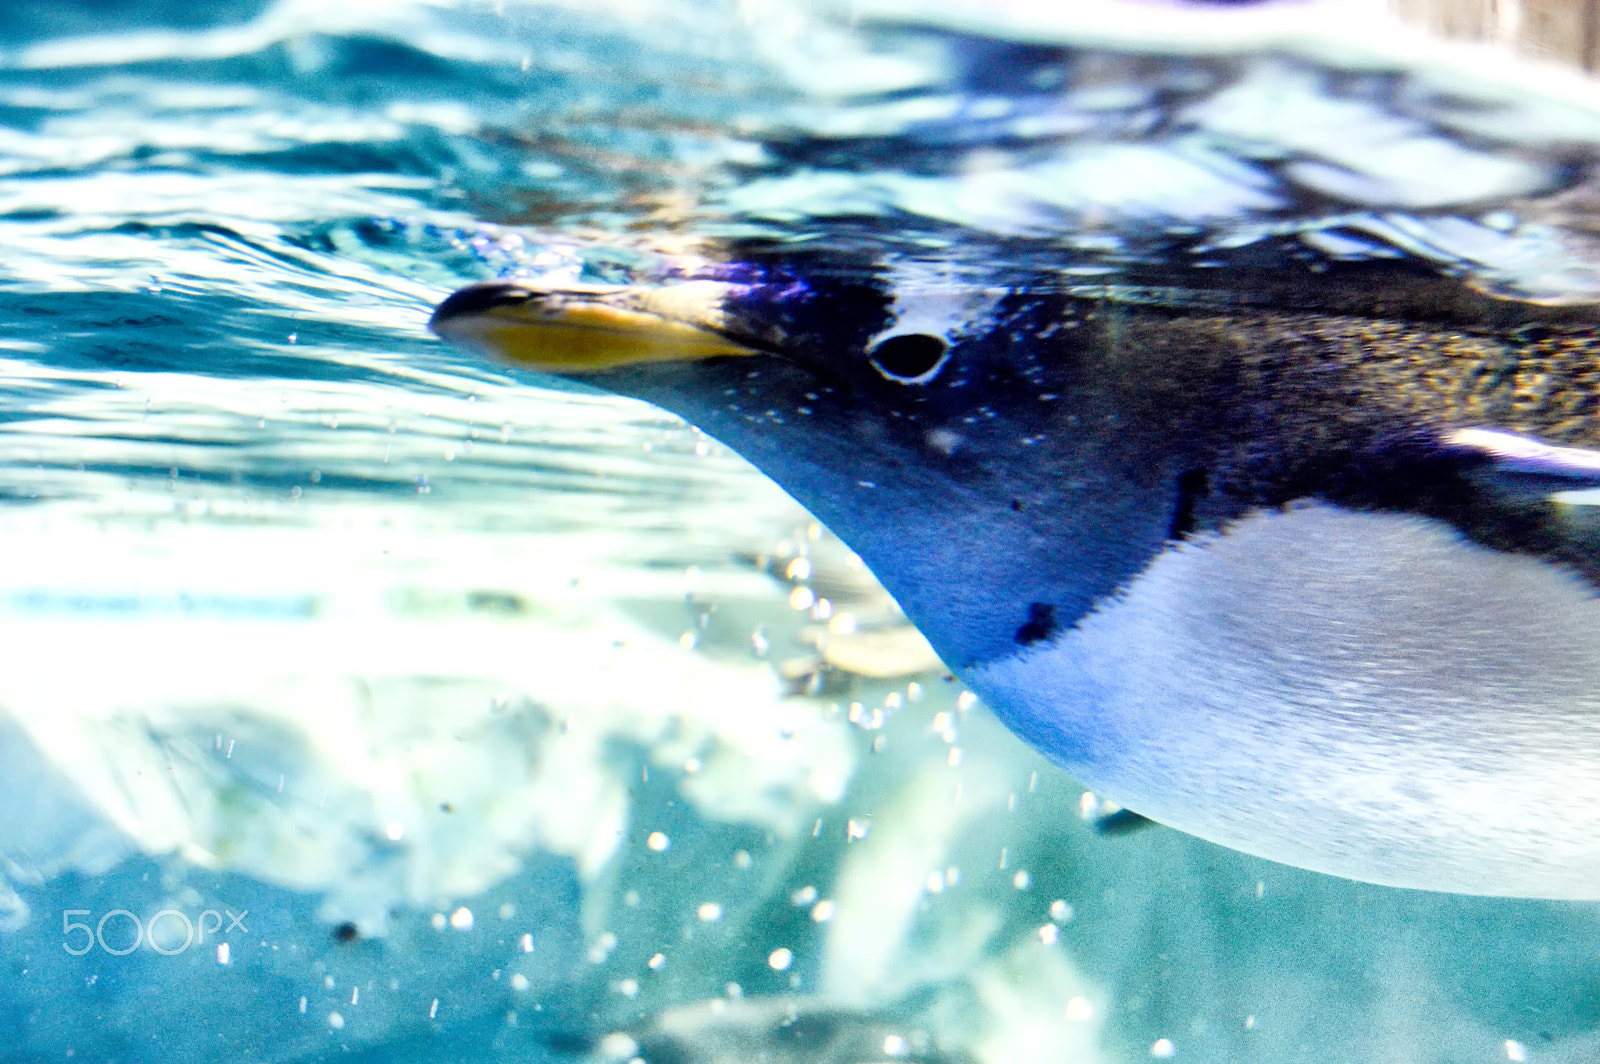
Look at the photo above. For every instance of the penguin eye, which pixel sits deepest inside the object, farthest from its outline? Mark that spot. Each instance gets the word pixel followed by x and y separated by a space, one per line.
pixel 911 358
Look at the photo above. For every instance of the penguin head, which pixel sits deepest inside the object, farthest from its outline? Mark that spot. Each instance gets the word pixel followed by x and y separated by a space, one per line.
pixel 945 431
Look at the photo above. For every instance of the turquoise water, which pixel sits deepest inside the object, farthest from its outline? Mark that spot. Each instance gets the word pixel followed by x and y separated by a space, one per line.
pixel 493 704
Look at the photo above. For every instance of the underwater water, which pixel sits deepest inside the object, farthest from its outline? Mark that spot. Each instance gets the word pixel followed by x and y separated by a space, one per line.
pixel 360 699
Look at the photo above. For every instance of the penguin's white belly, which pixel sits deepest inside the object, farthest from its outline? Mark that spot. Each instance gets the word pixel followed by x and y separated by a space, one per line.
pixel 1369 695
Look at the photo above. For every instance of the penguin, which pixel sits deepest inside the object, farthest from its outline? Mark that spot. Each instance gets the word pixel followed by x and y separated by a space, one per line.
pixel 1297 561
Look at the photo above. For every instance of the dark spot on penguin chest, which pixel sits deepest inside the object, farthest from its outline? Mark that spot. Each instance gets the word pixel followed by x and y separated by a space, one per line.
pixel 1191 488
pixel 1040 626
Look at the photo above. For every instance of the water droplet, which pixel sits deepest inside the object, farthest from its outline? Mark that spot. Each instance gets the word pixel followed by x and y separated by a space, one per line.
pixel 780 959
pixel 618 1046
pixel 602 948
pixel 658 842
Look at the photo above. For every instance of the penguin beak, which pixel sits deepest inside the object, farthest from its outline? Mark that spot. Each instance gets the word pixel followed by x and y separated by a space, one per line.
pixel 585 329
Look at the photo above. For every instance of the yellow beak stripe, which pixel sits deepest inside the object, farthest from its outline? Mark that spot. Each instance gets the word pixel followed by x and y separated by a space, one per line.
pixel 578 337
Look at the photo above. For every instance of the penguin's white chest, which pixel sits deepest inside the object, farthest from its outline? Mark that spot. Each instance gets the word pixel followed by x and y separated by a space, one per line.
pixel 1369 695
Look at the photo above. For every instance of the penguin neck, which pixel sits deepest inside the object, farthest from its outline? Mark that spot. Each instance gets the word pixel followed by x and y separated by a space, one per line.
pixel 996 545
